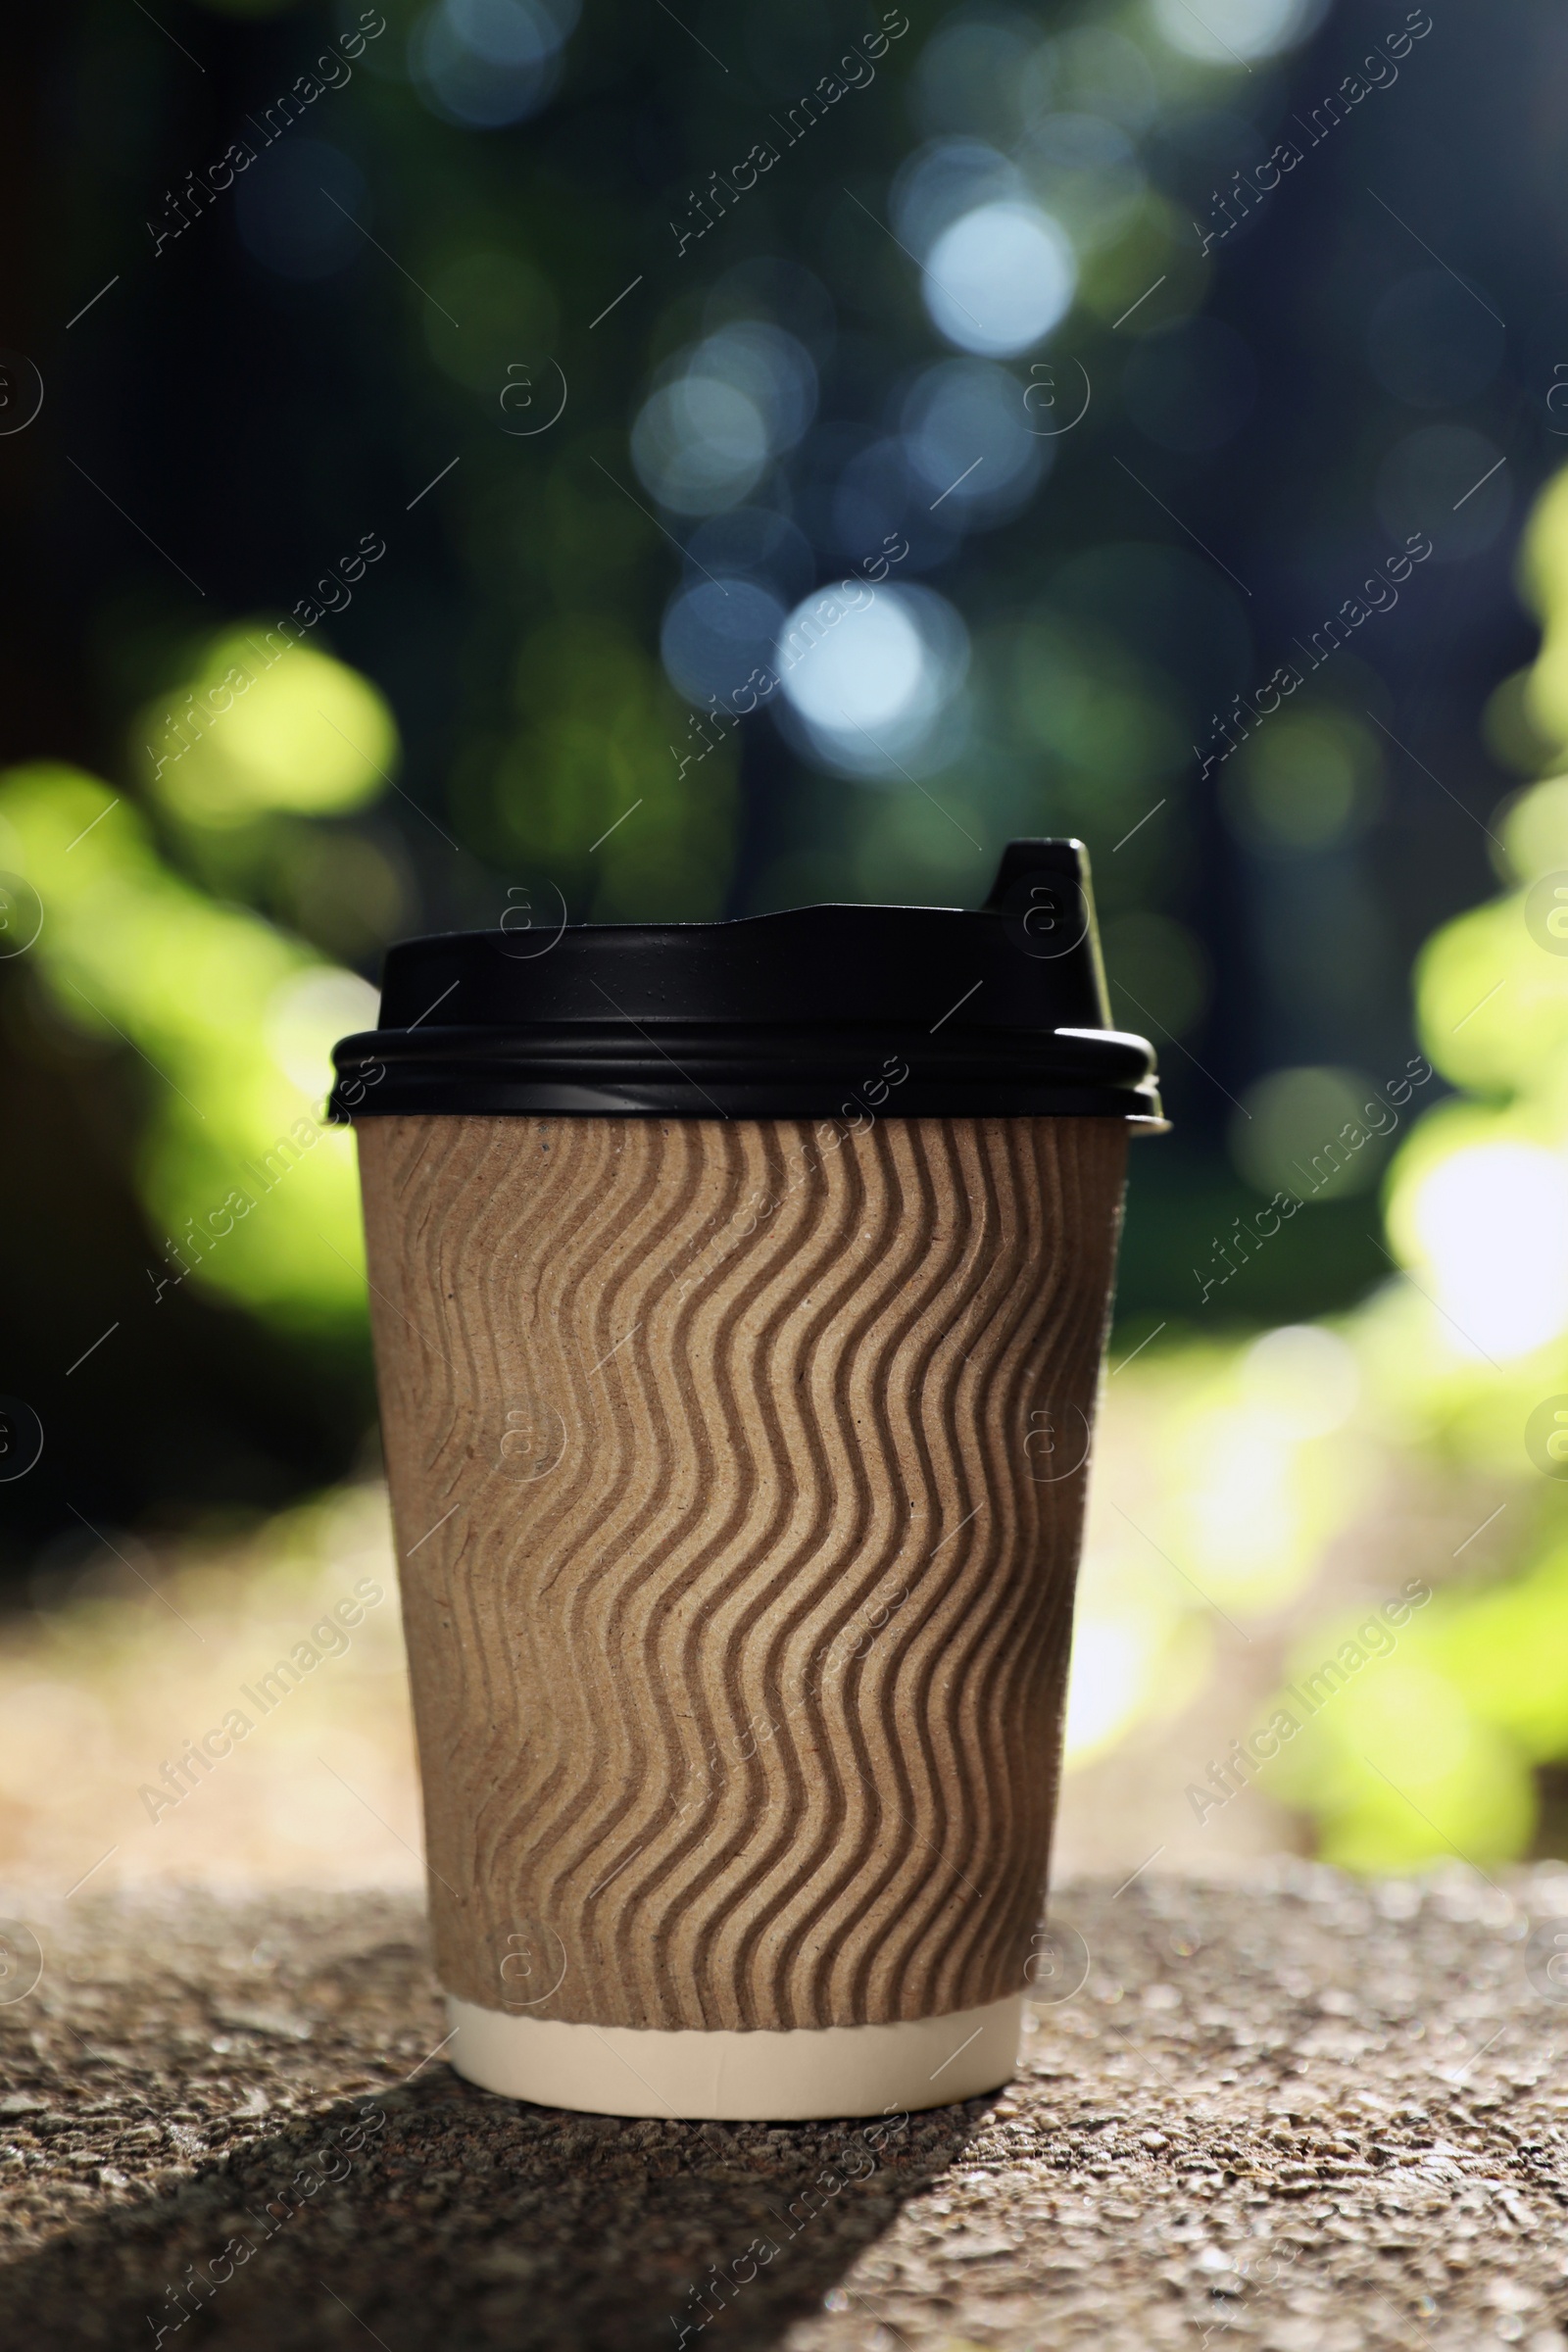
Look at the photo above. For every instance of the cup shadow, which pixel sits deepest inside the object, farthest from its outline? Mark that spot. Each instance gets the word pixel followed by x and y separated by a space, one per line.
pixel 439 2218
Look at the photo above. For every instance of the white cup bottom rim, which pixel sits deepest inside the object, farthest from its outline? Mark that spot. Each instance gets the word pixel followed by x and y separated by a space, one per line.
pixel 724 2077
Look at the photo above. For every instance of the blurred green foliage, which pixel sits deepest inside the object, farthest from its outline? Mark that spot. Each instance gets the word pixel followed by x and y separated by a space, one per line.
pixel 1437 1750
pixel 234 1018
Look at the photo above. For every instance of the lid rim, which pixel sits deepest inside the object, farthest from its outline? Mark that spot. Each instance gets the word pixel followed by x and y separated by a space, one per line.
pixel 814 1013
pixel 1135 1106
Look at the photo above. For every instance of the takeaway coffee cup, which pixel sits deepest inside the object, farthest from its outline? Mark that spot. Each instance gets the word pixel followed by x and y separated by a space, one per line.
pixel 738 1292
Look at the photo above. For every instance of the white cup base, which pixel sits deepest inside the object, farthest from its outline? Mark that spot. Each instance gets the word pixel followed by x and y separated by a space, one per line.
pixel 756 2077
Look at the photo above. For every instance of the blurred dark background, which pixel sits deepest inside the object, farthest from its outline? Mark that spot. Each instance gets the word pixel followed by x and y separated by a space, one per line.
pixel 477 210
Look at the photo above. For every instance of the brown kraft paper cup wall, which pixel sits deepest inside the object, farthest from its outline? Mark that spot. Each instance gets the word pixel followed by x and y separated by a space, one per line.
pixel 738 1466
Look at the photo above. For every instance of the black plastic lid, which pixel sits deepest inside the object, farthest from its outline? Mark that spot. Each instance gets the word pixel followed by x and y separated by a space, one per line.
pixel 820 1012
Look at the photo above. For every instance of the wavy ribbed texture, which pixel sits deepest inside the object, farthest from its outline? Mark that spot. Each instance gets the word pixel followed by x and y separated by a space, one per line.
pixel 738 1485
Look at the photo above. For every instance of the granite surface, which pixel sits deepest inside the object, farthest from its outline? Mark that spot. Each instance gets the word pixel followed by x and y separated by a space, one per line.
pixel 1295 2112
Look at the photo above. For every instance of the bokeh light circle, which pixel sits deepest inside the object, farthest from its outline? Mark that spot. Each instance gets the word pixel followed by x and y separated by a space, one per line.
pixel 706 433
pixel 483 63
pixel 968 436
pixel 698 445
pixel 716 633
pixel 291 728
pixel 1000 279
pixel 1235 31
pixel 1296 1128
pixel 868 675
pixel 772 367
pixel 847 663
pixel 943 180
pixel 1490 1226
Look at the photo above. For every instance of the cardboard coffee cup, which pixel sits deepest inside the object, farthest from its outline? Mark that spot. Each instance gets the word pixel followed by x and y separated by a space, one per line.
pixel 738 1292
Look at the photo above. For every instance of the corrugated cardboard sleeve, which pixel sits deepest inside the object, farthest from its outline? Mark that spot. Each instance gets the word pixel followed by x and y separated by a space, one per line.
pixel 738 1472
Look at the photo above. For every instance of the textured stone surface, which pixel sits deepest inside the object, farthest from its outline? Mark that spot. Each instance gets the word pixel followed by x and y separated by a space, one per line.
pixel 739 1481
pixel 1292 2114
